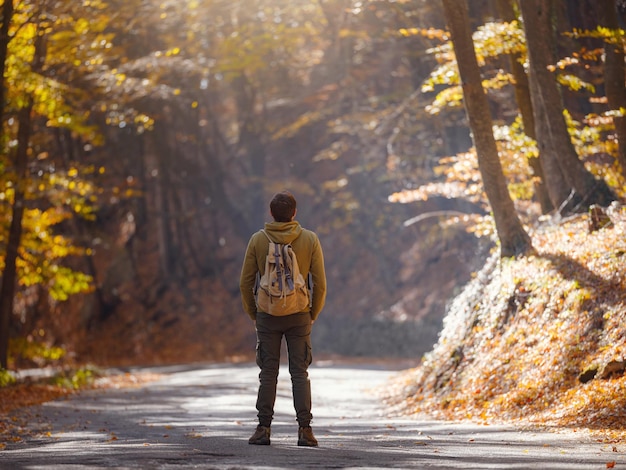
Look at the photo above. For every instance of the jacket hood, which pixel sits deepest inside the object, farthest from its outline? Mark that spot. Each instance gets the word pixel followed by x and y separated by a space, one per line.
pixel 283 232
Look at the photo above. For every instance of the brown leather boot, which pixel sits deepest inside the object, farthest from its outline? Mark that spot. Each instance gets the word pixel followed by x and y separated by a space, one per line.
pixel 306 437
pixel 261 436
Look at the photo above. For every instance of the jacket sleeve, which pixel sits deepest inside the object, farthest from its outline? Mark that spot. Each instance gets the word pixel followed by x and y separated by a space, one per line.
pixel 248 279
pixel 318 276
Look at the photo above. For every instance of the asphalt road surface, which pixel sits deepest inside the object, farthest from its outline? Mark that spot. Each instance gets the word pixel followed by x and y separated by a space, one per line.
pixel 201 417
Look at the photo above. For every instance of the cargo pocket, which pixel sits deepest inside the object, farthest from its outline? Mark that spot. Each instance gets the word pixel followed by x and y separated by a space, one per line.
pixel 259 354
pixel 309 354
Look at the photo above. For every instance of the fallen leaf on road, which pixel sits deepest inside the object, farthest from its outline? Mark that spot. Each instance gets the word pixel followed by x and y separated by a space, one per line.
pixel 610 465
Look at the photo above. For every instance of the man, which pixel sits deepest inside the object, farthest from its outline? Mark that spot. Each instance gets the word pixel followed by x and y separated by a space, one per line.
pixel 296 327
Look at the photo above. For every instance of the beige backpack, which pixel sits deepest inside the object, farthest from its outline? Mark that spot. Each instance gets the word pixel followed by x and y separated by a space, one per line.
pixel 281 289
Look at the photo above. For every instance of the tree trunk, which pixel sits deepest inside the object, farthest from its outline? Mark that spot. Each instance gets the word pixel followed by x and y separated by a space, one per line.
pixel 513 238
pixel 558 189
pixel 250 139
pixel 614 76
pixel 9 275
pixel 522 97
pixel 7 16
pixel 566 16
pixel 162 202
pixel 215 152
pixel 552 134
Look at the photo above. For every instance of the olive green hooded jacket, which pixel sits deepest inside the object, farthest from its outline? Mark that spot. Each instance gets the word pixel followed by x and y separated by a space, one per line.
pixel 308 251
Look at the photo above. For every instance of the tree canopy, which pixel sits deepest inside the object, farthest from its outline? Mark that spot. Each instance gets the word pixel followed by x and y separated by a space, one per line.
pixel 141 141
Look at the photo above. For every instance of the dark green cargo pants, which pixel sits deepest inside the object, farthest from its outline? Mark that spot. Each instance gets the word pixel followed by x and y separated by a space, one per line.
pixel 270 330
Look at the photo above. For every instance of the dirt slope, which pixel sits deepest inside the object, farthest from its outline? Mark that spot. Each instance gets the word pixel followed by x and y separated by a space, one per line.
pixel 540 339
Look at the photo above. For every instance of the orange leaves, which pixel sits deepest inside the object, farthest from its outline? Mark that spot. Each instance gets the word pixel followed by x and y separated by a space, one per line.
pixel 516 340
pixel 430 33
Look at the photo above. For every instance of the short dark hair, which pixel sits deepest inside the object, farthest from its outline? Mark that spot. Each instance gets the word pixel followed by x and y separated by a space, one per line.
pixel 283 206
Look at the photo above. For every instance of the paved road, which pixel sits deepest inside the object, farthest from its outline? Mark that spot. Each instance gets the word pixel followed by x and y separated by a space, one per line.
pixel 201 417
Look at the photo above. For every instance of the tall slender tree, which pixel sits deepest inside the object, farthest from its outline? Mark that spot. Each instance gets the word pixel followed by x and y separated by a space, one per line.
pixel 9 274
pixel 5 312
pixel 507 10
pixel 570 185
pixel 614 74
pixel 5 23
pixel 38 111
pixel 513 238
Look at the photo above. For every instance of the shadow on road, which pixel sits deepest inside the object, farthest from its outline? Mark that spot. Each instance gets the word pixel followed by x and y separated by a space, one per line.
pixel 201 417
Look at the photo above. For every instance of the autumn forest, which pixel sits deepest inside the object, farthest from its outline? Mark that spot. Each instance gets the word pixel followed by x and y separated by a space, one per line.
pixel 454 157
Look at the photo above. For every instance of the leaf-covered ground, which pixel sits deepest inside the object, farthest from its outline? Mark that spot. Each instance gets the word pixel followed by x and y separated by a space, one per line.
pixel 27 394
pixel 539 340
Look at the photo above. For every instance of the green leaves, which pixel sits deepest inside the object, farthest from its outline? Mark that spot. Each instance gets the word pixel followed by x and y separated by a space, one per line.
pixel 491 41
pixel 608 35
pixel 6 378
pixel 49 55
pixel 41 253
pixel 33 349
pixel 67 282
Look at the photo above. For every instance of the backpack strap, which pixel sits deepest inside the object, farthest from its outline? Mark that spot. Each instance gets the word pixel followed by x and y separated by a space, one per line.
pixel 258 274
pixel 266 235
pixel 278 255
pixel 288 266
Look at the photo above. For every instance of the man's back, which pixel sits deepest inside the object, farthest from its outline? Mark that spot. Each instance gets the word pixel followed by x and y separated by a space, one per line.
pixel 308 251
pixel 295 328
